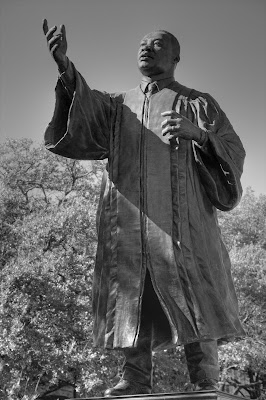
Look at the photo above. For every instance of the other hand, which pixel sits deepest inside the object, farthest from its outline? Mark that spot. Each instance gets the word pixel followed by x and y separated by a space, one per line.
pixel 178 126
pixel 57 44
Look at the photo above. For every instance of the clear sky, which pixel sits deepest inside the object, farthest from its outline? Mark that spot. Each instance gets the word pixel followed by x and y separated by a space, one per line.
pixel 222 53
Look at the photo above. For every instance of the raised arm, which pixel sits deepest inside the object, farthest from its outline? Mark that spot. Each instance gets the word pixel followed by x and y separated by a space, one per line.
pixel 80 127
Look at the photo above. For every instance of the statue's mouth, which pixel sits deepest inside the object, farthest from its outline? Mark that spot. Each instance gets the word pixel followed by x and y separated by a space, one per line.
pixel 145 56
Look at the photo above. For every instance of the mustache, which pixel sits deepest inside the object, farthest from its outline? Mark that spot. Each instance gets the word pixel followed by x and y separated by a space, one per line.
pixel 145 53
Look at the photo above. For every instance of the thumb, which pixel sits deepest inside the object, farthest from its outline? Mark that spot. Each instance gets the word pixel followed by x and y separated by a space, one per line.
pixel 62 31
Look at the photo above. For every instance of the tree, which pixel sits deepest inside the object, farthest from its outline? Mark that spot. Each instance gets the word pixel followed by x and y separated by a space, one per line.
pixel 244 231
pixel 47 244
pixel 245 224
pixel 48 214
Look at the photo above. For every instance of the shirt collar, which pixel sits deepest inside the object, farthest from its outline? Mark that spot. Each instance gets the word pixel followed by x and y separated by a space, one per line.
pixel 161 83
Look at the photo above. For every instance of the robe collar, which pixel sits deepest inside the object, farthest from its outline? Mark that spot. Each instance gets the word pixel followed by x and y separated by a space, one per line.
pixel 161 83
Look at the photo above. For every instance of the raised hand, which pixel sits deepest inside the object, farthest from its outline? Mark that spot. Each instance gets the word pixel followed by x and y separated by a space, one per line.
pixel 57 44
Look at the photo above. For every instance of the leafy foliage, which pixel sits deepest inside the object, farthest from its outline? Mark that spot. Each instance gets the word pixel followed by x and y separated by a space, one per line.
pixel 47 253
pixel 47 244
pixel 244 231
pixel 245 224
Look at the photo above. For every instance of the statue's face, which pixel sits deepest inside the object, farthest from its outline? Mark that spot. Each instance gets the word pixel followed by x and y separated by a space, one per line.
pixel 155 55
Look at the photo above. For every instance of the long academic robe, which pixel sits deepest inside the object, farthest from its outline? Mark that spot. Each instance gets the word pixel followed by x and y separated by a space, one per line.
pixel 157 208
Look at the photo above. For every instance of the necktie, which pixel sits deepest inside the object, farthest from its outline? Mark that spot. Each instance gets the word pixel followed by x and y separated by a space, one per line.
pixel 151 89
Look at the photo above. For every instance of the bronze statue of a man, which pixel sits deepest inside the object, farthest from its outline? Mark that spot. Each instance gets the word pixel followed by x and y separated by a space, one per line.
pixel 162 275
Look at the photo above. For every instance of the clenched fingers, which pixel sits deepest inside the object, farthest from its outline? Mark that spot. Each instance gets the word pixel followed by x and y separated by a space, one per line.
pixel 172 129
pixel 171 113
pixel 172 125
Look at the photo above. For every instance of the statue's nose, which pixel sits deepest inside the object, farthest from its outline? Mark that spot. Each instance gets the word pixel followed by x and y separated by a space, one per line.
pixel 148 47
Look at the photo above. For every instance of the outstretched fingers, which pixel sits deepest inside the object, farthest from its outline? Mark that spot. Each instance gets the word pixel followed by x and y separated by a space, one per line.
pixel 56 42
pixel 45 26
pixel 49 33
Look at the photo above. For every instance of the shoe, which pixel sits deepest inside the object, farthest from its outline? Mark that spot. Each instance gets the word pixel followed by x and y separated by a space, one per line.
pixel 124 388
pixel 206 384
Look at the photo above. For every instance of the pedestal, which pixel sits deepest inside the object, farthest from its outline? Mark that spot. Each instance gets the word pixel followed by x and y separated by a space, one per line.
pixel 202 395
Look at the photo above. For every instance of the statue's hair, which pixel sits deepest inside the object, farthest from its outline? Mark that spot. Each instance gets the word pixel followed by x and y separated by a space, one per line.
pixel 174 41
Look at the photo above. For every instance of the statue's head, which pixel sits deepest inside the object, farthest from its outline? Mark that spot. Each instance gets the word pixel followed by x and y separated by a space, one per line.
pixel 158 54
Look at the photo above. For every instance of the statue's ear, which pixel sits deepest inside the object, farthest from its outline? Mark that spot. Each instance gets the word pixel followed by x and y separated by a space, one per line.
pixel 177 59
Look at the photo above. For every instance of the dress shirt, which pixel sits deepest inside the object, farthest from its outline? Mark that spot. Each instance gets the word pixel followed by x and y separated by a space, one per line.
pixel 161 83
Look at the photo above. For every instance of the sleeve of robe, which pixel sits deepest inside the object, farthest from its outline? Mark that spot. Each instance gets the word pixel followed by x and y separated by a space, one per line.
pixel 220 159
pixel 80 127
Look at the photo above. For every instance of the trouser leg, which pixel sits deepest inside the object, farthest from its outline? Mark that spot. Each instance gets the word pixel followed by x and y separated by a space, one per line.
pixel 154 330
pixel 138 360
pixel 137 367
pixel 202 360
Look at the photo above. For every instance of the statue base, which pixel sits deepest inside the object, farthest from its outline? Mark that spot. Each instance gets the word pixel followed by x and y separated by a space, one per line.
pixel 202 395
